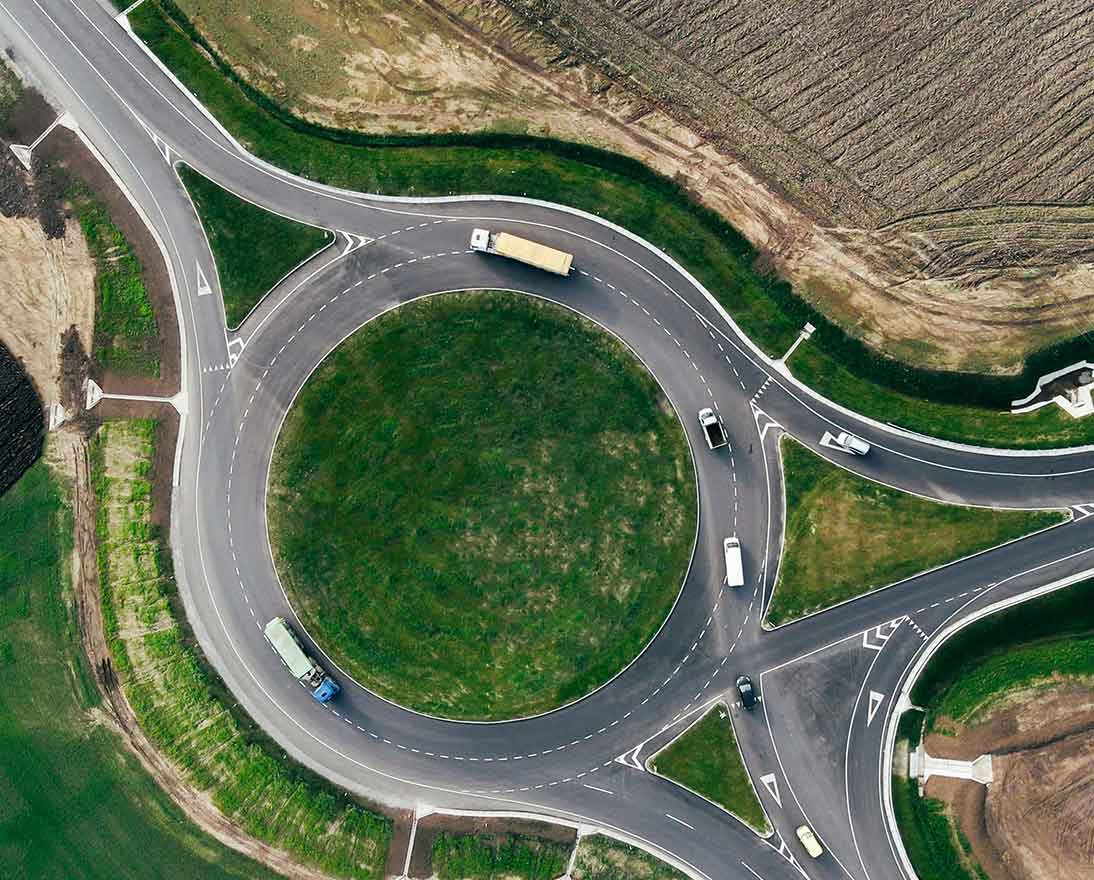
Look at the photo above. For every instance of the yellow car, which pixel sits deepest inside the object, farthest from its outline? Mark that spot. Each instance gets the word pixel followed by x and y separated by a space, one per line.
pixel 810 842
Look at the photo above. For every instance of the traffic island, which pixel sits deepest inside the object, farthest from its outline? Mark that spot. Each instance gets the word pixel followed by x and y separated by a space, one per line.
pixel 506 499
pixel 253 248
pixel 845 535
pixel 707 761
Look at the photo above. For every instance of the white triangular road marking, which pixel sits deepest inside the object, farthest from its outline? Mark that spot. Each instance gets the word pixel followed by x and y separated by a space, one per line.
pixel 203 283
pixel 772 785
pixel 876 700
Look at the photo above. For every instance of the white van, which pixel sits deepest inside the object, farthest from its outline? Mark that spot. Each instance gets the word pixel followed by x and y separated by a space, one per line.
pixel 735 571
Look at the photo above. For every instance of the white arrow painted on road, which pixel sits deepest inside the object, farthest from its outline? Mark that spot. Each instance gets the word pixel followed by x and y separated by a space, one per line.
pixel 353 241
pixel 876 700
pixel 203 283
pixel 772 785
pixel 630 759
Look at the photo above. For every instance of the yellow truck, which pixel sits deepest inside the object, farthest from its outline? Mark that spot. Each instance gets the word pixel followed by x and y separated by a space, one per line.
pixel 531 253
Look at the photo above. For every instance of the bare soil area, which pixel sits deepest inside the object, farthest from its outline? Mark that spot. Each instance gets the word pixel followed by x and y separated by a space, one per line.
pixel 1036 820
pixel 843 139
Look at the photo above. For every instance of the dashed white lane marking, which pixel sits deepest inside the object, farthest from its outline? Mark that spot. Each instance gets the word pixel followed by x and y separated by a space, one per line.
pixel 403 747
pixel 680 821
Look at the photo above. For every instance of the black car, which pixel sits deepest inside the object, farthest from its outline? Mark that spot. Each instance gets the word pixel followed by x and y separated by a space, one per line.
pixel 747 691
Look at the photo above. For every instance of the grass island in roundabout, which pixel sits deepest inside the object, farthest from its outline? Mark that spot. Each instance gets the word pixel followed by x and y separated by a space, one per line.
pixel 482 506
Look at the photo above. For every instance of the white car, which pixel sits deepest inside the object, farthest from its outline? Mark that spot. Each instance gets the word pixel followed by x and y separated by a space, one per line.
pixel 853 443
pixel 809 841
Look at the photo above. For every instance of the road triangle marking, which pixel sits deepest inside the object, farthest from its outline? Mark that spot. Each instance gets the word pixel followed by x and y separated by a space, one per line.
pixel 630 759
pixel 772 785
pixel 876 700
pixel 203 283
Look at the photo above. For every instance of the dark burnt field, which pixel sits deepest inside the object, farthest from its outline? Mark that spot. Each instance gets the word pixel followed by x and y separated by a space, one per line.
pixel 22 424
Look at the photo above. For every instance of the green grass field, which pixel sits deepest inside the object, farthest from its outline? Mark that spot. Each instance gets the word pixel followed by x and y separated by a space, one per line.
pixel 506 501
pixel 174 697
pixel 601 858
pixel 74 805
pixel 253 248
pixel 846 535
pixel 1029 644
pixel 506 857
pixel 126 335
pixel 654 207
pixel 707 760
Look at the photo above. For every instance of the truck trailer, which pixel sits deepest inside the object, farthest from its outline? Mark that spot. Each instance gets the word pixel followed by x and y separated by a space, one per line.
pixel 322 687
pixel 529 252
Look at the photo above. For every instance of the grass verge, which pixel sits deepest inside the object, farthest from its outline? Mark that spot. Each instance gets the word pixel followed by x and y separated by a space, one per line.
pixel 628 193
pixel 171 693
pixel 846 535
pixel 126 335
pixel 1030 644
pixel 253 248
pixel 706 760
pixel 500 857
pixel 506 498
pixel 601 858
pixel 73 802
pixel 936 848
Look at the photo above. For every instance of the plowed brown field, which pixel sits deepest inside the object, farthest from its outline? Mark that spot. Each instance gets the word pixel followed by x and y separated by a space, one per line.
pixel 922 171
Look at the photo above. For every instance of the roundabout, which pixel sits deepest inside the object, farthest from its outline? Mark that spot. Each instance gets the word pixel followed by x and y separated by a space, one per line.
pixel 481 506
pixel 818 745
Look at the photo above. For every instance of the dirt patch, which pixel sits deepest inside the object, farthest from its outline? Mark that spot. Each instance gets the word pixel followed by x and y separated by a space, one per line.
pixel 1036 820
pixel 421 862
pixel 47 286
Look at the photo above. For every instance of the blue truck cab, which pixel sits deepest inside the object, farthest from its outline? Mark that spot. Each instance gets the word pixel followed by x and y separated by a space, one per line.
pixel 328 689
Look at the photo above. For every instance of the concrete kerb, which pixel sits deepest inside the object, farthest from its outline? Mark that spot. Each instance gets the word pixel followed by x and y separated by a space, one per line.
pixel 774 366
pixel 903 702
pixel 583 829
pixel 679 594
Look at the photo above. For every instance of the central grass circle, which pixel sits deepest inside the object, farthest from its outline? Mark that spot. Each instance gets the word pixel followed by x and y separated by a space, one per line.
pixel 482 506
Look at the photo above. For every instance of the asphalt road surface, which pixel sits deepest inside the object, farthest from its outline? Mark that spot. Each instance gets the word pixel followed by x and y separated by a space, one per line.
pixel 816 745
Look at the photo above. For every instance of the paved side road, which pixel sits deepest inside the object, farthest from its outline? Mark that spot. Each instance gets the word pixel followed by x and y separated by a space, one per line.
pixel 815 746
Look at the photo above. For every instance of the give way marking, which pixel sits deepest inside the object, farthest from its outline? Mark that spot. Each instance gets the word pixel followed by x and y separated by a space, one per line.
pixel 772 786
pixel 876 700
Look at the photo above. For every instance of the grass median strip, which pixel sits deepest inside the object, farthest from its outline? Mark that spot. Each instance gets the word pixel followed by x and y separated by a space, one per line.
pixel 126 334
pixel 846 535
pixel 173 695
pixel 73 802
pixel 601 858
pixel 500 857
pixel 253 248
pixel 964 407
pixel 506 502
pixel 706 760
